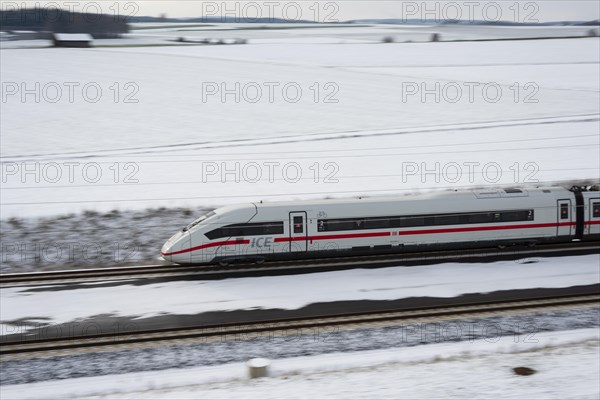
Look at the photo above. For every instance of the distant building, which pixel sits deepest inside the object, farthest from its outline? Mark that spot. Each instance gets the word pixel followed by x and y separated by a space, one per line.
pixel 72 40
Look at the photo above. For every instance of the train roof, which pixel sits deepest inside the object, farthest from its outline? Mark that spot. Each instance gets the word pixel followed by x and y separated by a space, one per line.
pixel 465 193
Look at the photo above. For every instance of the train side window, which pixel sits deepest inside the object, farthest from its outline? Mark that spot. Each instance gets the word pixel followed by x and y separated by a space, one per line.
pixel 463 219
pixel 349 224
pixel 250 229
pixel 215 233
pixel 596 210
pixel 359 224
pixel 298 226
pixel 339 225
pixel 237 231
pixel 396 222
pixel 447 219
pixel 479 218
pixel 407 222
pixel 271 228
pixel 376 223
pixel 564 211
pixel 511 216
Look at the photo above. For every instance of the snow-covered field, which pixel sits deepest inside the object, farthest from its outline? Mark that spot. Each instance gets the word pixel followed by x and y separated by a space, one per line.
pixel 566 365
pixel 171 128
pixel 24 306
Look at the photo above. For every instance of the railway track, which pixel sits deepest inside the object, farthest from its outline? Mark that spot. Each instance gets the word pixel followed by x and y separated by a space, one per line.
pixel 294 266
pixel 28 348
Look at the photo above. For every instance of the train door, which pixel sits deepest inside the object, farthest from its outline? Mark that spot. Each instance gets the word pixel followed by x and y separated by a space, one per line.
pixel 593 220
pixel 565 218
pixel 298 231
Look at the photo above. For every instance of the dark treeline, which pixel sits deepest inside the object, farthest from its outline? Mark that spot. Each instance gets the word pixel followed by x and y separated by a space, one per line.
pixel 62 21
pixel 221 19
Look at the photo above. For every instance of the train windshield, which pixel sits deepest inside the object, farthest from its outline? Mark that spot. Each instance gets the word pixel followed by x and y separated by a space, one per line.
pixel 198 220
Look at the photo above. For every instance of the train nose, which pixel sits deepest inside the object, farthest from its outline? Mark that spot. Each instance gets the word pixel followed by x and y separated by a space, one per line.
pixel 174 245
pixel 166 252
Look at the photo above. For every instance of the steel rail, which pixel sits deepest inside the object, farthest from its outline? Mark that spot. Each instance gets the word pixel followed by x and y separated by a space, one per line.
pixel 111 341
pixel 291 266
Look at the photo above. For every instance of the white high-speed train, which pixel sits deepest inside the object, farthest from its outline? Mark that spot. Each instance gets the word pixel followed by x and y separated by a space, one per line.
pixel 256 232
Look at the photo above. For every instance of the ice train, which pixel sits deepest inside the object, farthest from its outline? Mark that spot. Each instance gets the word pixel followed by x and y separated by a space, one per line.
pixel 256 232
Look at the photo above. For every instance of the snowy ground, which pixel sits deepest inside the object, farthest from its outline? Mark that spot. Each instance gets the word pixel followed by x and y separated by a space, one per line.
pixel 567 365
pixel 23 306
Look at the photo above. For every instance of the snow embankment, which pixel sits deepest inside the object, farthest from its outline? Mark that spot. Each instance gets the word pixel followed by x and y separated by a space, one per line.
pixel 566 365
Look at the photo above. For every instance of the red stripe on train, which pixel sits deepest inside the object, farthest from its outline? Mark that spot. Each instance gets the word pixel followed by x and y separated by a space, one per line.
pixel 484 228
pixel 341 236
pixel 207 245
